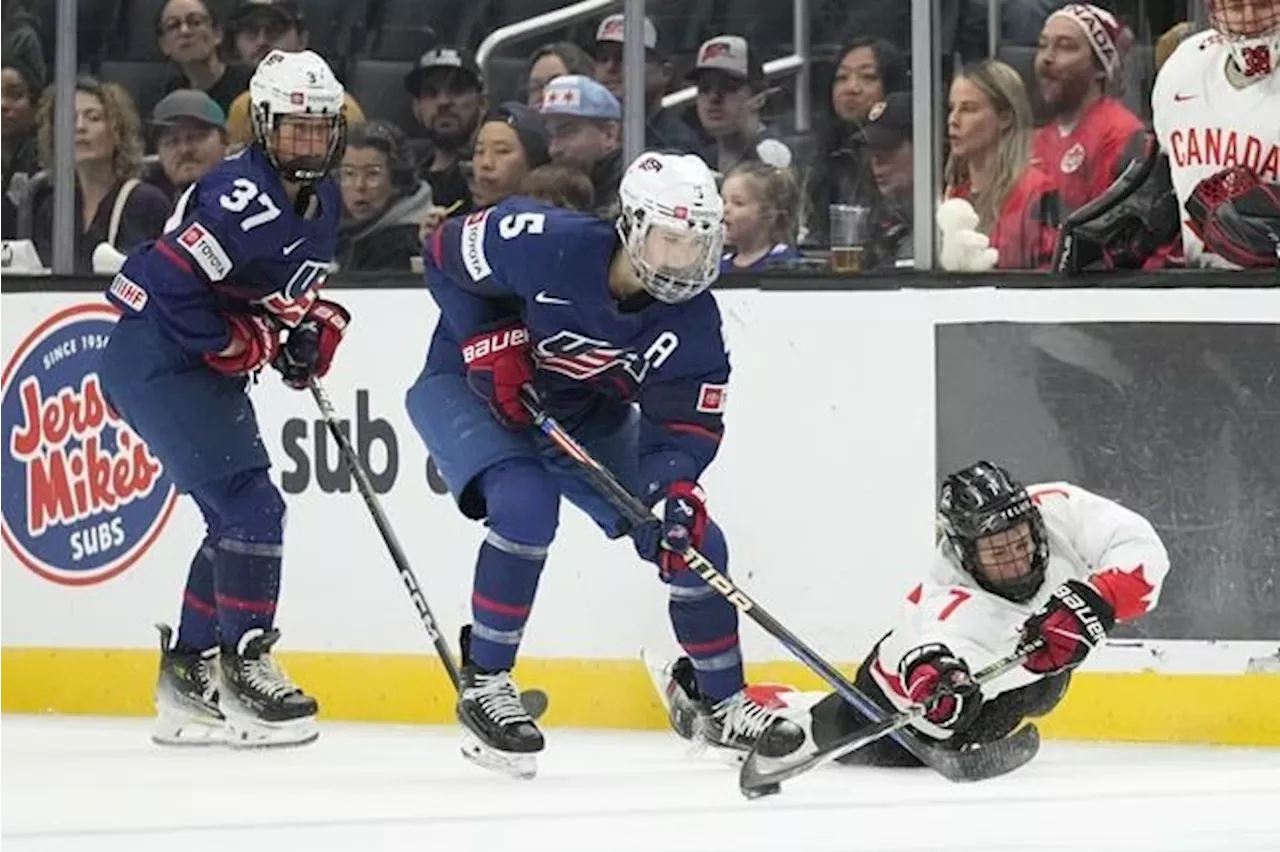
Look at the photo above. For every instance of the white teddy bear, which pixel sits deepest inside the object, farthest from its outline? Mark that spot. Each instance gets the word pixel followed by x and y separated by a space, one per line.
pixel 964 247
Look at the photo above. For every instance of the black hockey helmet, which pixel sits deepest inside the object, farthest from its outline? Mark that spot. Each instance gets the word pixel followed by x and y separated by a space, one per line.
pixel 985 500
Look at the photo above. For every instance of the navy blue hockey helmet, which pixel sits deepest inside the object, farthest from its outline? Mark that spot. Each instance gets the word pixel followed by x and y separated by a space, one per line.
pixel 984 501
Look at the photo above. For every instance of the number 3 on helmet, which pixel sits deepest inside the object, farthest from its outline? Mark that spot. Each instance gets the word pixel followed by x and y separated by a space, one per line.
pixel 672 224
pixel 297 114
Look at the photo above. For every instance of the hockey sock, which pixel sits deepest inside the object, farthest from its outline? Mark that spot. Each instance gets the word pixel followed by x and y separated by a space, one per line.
pixel 247 552
pixel 198 626
pixel 706 625
pixel 523 502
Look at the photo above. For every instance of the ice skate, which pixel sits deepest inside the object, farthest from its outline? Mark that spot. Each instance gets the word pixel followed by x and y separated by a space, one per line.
pixel 187 711
pixel 262 706
pixel 732 724
pixel 497 732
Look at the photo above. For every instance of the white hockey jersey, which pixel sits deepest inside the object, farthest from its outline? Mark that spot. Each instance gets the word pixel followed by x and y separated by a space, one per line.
pixel 1209 118
pixel 1090 537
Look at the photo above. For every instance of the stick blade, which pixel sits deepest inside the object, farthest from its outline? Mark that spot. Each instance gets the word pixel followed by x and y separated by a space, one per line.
pixel 989 760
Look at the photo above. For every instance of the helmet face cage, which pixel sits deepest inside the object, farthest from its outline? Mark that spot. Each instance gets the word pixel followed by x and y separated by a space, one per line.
pixel 1251 29
pixel 983 500
pixel 267 131
pixel 666 285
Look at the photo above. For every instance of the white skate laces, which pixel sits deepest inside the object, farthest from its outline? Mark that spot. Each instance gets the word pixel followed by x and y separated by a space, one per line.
pixel 267 677
pixel 498 698
pixel 740 716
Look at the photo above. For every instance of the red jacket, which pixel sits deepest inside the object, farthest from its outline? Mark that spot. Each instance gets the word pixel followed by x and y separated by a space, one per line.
pixel 1084 162
pixel 1026 230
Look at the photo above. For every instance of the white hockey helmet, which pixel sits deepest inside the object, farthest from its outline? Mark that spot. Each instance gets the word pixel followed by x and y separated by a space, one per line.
pixel 297 84
pixel 1251 29
pixel 672 224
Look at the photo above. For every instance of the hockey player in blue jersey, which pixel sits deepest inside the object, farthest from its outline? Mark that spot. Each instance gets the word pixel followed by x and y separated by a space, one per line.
pixel 230 288
pixel 614 328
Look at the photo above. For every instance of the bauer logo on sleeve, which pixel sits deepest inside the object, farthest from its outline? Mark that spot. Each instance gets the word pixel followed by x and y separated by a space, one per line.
pixel 83 497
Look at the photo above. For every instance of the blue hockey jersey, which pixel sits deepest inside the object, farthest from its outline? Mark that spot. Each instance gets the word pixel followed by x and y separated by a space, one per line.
pixel 232 245
pixel 550 267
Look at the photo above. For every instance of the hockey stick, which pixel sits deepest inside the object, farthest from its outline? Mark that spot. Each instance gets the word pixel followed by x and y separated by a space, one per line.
pixel 534 700
pixel 980 762
pixel 755 781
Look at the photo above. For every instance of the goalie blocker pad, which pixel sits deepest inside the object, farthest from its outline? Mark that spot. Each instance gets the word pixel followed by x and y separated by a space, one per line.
pixel 1131 221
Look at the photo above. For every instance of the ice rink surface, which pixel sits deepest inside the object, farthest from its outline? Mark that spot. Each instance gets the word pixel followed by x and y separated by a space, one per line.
pixel 81 784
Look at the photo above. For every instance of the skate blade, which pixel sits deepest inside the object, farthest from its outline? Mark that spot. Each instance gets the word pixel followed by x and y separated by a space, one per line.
pixel 185 730
pixel 681 718
pixel 246 731
pixel 513 764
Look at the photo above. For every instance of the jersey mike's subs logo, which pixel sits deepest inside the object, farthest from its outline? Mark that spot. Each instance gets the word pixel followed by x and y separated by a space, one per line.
pixel 83 497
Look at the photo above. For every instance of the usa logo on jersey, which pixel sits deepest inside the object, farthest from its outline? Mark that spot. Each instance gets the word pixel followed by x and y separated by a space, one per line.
pixel 583 358
pixel 83 497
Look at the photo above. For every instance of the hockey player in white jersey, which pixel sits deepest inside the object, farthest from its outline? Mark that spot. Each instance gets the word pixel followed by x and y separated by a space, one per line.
pixel 1216 112
pixel 1053 562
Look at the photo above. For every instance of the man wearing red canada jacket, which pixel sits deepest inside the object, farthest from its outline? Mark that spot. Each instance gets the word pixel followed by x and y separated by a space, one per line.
pixel 1092 136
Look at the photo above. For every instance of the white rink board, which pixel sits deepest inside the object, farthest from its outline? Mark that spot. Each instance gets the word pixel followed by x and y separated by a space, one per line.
pixel 824 483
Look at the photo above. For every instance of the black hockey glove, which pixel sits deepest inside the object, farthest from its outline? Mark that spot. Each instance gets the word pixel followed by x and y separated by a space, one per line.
pixel 1238 217
pixel 938 679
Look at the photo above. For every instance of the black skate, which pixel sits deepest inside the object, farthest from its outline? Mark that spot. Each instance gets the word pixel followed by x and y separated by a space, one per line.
pixel 262 706
pixel 187 711
pixel 734 723
pixel 497 732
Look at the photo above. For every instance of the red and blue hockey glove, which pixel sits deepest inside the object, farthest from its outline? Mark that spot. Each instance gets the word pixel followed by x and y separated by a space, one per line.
pixel 1238 217
pixel 254 343
pixel 1072 621
pixel 308 348
pixel 499 363
pixel 940 680
pixel 684 525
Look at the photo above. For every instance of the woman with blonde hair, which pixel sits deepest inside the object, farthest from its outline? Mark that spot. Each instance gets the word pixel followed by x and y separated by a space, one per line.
pixel 989 127
pixel 112 204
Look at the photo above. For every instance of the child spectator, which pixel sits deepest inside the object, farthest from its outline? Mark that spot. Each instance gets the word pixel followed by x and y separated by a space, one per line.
pixel 760 203
pixel 989 128
pixel 563 186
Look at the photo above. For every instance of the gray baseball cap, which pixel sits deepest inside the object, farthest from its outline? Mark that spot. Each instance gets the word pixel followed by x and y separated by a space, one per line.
pixel 191 104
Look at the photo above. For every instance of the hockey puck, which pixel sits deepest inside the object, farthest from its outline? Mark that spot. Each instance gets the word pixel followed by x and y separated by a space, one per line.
pixel 534 702
pixel 762 791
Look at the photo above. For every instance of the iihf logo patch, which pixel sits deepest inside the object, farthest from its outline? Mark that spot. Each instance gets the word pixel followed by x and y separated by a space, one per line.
pixel 83 498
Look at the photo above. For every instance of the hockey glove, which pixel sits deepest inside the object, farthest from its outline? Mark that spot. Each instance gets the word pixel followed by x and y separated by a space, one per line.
pixel 498 364
pixel 683 525
pixel 309 347
pixel 254 343
pixel 1072 621
pixel 940 681
pixel 1238 217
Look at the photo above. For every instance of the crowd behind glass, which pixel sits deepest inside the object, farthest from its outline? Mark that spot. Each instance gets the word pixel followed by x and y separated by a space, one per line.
pixel 163 97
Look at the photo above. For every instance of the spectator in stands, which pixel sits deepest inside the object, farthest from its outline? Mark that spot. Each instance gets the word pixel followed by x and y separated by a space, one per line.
pixel 989 128
pixel 1169 42
pixel 663 128
pixel 259 27
pixel 888 138
pixel 511 143
pixel 21 37
pixel 554 60
pixel 561 185
pixel 866 69
pixel 447 88
pixel 19 92
pixel 582 119
pixel 384 199
pixel 112 205
pixel 1092 136
pixel 760 206
pixel 731 93
pixel 190 36
pixel 191 138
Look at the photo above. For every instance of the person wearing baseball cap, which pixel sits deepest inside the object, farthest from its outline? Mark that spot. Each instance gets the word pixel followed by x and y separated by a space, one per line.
pixel 447 87
pixel 888 136
pixel 259 27
pixel 663 128
pixel 1093 136
pixel 582 119
pixel 191 138
pixel 730 94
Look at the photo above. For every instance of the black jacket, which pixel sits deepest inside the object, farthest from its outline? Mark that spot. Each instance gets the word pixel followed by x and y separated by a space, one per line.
pixel 388 241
